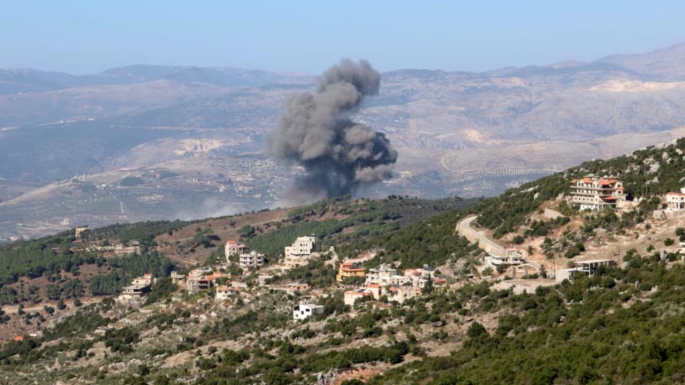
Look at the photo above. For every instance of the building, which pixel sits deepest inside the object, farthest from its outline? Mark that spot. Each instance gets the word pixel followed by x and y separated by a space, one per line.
pixel 177 278
pixel 588 268
pixel 676 200
pixel 251 260
pixel 302 247
pixel 264 278
pixel 350 297
pixel 81 231
pixel 418 277
pixel 299 253
pixel 139 286
pixel 349 269
pixel 300 287
pixel 513 258
pixel 203 278
pixel 305 310
pixel 593 193
pixel 384 275
pixel 234 248
pixel 146 279
pixel 375 289
pixel 400 294
pixel 224 292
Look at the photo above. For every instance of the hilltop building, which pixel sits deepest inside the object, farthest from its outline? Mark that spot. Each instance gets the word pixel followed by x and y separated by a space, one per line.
pixel 349 269
pixel 299 253
pixel 593 193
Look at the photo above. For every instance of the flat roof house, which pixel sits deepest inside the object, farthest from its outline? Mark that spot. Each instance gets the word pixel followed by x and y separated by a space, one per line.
pixel 305 310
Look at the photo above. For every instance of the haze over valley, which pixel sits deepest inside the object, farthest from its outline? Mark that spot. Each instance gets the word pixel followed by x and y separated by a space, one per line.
pixel 162 142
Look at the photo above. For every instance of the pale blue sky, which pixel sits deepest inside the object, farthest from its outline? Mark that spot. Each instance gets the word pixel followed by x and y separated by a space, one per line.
pixel 307 36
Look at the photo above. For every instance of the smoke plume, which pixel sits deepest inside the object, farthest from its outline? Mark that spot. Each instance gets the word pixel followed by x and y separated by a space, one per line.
pixel 316 132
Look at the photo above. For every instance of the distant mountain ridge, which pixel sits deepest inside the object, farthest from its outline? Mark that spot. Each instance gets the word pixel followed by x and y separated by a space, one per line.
pixel 30 80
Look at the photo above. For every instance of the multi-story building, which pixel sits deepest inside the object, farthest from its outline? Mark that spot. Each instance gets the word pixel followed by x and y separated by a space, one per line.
pixel 384 275
pixel 251 260
pixel 593 193
pixel 349 269
pixel 234 248
pixel 298 254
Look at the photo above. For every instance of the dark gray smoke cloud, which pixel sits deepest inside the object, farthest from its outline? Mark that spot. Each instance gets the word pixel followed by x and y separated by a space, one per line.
pixel 315 131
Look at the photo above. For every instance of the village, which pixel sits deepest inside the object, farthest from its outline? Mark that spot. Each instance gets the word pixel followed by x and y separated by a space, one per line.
pixel 384 283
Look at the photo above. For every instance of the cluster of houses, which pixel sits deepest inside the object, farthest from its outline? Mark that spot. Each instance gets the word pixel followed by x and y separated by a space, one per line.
pixel 246 260
pixel 299 253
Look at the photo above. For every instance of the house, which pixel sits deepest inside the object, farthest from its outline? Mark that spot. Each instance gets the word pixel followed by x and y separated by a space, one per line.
pixel 418 277
pixel 177 278
pixel 593 193
pixel 513 258
pixel 263 279
pixel 251 260
pixel 375 289
pixel 146 279
pixel 234 248
pixel 676 200
pixel 401 293
pixel 223 292
pixel 349 269
pixel 305 310
pixel 384 275
pixel 303 246
pixel 299 253
pixel 203 278
pixel 297 287
pixel 139 286
pixel 350 297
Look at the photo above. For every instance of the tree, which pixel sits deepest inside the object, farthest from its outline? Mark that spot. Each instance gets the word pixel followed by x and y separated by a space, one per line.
pixel 61 305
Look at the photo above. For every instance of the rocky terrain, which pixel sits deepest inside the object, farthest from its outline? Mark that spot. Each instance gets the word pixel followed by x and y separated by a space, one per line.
pixel 457 133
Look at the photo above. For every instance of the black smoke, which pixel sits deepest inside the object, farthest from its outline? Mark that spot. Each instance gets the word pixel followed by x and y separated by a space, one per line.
pixel 315 131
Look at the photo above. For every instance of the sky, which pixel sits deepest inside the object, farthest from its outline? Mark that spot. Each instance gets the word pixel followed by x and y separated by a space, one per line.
pixel 308 36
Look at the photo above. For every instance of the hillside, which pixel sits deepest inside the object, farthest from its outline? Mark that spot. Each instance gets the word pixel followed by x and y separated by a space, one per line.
pixel 469 323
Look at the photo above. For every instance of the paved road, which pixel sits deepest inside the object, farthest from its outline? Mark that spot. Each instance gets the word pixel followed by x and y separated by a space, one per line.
pixel 464 228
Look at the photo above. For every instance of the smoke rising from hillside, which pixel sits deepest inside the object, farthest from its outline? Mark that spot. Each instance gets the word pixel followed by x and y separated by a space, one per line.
pixel 315 131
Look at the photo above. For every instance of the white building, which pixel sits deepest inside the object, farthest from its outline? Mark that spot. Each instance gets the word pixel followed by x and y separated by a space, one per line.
pixel 303 246
pixel 384 275
pixel 350 297
pixel 676 200
pixel 305 310
pixel 592 193
pixel 251 260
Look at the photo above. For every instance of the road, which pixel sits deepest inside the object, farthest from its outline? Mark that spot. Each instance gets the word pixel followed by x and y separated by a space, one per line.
pixel 464 228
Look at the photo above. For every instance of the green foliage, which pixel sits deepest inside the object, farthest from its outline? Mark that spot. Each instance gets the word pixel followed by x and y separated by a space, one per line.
pixel 161 289
pixel 131 181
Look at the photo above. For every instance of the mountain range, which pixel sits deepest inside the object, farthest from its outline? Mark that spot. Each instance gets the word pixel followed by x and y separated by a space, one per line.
pixel 194 136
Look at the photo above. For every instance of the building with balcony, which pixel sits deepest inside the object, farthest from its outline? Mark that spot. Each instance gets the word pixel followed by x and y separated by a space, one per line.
pixel 593 193
pixel 348 270
pixel 251 260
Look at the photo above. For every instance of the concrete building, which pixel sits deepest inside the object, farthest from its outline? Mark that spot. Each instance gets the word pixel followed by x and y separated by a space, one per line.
pixel 224 292
pixel 305 310
pixel 203 278
pixel 400 294
pixel 139 286
pixel 349 269
pixel 384 275
pixel 418 277
pixel 588 268
pixel 350 297
pixel 146 279
pixel 299 253
pixel 593 193
pixel 81 230
pixel 513 258
pixel 177 278
pixel 676 200
pixel 251 260
pixel 234 248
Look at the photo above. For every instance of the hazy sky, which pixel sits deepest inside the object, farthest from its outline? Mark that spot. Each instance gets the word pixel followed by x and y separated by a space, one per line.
pixel 308 36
